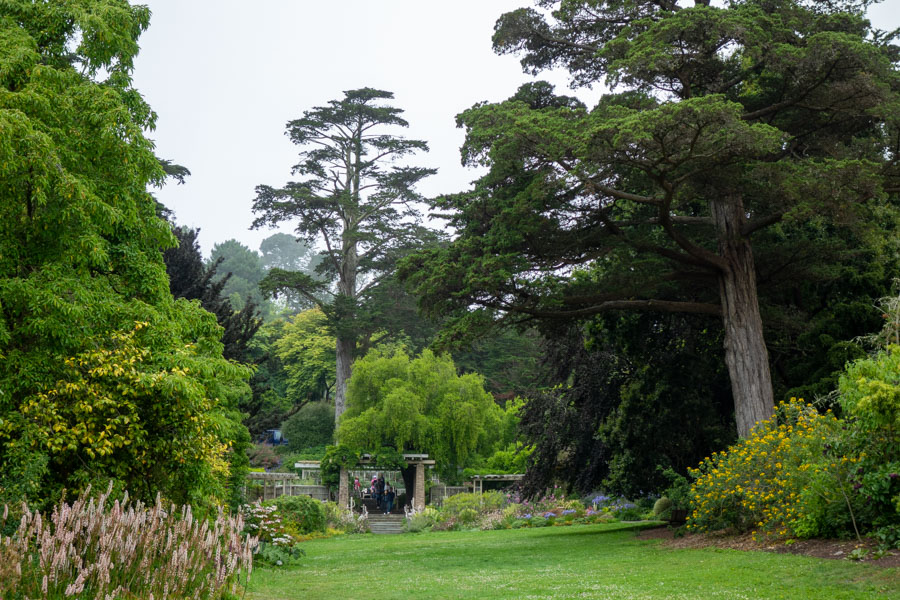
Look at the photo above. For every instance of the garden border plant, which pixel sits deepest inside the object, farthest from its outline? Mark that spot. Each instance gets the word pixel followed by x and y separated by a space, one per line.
pixel 98 547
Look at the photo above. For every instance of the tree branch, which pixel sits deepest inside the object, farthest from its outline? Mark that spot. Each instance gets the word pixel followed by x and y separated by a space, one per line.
pixel 701 308
pixel 760 223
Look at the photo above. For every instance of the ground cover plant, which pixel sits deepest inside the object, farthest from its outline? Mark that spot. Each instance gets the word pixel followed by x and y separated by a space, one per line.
pixel 597 561
pixel 99 548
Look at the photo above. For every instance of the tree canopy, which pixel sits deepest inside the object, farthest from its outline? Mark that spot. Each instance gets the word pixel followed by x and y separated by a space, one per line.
pixel 242 270
pixel 743 146
pixel 285 252
pixel 103 374
pixel 420 405
pixel 306 351
pixel 355 200
pixel 191 278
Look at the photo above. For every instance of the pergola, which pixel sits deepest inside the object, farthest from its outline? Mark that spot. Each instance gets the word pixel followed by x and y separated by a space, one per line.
pixel 478 480
pixel 418 498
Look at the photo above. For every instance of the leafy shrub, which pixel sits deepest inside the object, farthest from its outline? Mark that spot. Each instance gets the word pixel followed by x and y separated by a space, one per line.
pixel 342 520
pixel 301 513
pixel 467 516
pixel 277 542
pixel 421 520
pixel 263 456
pixel 870 398
pixel 775 480
pixel 870 390
pixel 662 507
pixel 335 458
pixel 71 552
pixel 629 512
pixel 488 501
pixel 311 426
pixel 448 524
pixel 679 490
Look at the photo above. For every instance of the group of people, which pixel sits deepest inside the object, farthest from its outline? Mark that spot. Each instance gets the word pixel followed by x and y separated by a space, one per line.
pixel 384 494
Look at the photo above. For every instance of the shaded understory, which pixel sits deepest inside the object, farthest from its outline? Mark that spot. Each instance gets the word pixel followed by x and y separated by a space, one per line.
pixel 591 561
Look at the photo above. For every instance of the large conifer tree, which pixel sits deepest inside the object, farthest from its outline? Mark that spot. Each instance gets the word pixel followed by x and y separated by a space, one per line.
pixel 744 142
pixel 355 201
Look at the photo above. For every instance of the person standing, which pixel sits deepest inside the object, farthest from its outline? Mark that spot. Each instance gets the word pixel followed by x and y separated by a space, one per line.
pixel 389 500
pixel 379 492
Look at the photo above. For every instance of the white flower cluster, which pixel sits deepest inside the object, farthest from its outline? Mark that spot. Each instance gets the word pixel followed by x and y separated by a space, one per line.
pixel 265 523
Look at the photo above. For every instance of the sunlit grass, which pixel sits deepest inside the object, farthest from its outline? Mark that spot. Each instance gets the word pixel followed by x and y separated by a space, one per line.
pixel 592 561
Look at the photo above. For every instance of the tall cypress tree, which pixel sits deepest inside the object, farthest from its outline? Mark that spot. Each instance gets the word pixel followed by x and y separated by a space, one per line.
pixel 742 143
pixel 355 201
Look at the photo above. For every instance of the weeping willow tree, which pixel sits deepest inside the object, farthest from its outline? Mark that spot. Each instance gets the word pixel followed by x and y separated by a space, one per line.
pixel 420 405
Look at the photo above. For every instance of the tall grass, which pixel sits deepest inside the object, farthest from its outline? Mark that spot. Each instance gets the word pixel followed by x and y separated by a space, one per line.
pixel 99 549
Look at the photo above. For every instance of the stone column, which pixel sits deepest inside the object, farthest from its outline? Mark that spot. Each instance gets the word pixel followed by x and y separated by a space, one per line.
pixel 419 494
pixel 343 490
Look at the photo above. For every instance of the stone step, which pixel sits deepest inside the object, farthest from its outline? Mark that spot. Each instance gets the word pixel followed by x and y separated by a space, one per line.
pixel 386 524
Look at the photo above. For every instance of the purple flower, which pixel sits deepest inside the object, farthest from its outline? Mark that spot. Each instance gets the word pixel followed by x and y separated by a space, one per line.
pixel 568 512
pixel 527 516
pixel 548 515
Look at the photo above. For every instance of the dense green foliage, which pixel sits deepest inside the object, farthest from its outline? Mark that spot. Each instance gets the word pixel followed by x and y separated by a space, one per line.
pixel 191 279
pixel 103 374
pixel 240 270
pixel 636 393
pixel 337 457
pixel 267 407
pixel 420 405
pixel 305 348
pixel 748 146
pixel 309 427
pixel 300 514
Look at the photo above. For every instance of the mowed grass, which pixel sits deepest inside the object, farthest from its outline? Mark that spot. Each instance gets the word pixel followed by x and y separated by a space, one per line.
pixel 590 561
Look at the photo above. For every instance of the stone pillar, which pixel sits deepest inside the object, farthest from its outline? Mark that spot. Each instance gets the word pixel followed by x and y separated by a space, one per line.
pixel 343 490
pixel 419 494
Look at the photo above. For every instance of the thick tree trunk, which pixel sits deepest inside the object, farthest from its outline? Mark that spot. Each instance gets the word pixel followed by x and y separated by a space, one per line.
pixel 346 343
pixel 344 350
pixel 745 348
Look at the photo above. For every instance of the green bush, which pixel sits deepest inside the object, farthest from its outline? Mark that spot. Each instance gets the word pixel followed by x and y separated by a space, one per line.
pixel 870 399
pixel 335 458
pixel 467 516
pixel 343 520
pixel 760 483
pixel 512 459
pixel 488 501
pixel 422 520
pixel 679 490
pixel 662 507
pixel 311 426
pixel 301 513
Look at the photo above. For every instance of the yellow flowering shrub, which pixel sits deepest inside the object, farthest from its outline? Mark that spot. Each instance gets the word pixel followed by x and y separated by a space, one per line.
pixel 781 480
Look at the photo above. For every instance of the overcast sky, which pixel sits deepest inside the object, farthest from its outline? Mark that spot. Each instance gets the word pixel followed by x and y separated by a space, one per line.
pixel 225 76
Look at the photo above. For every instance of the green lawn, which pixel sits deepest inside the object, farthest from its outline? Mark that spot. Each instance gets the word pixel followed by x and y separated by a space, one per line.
pixel 591 561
